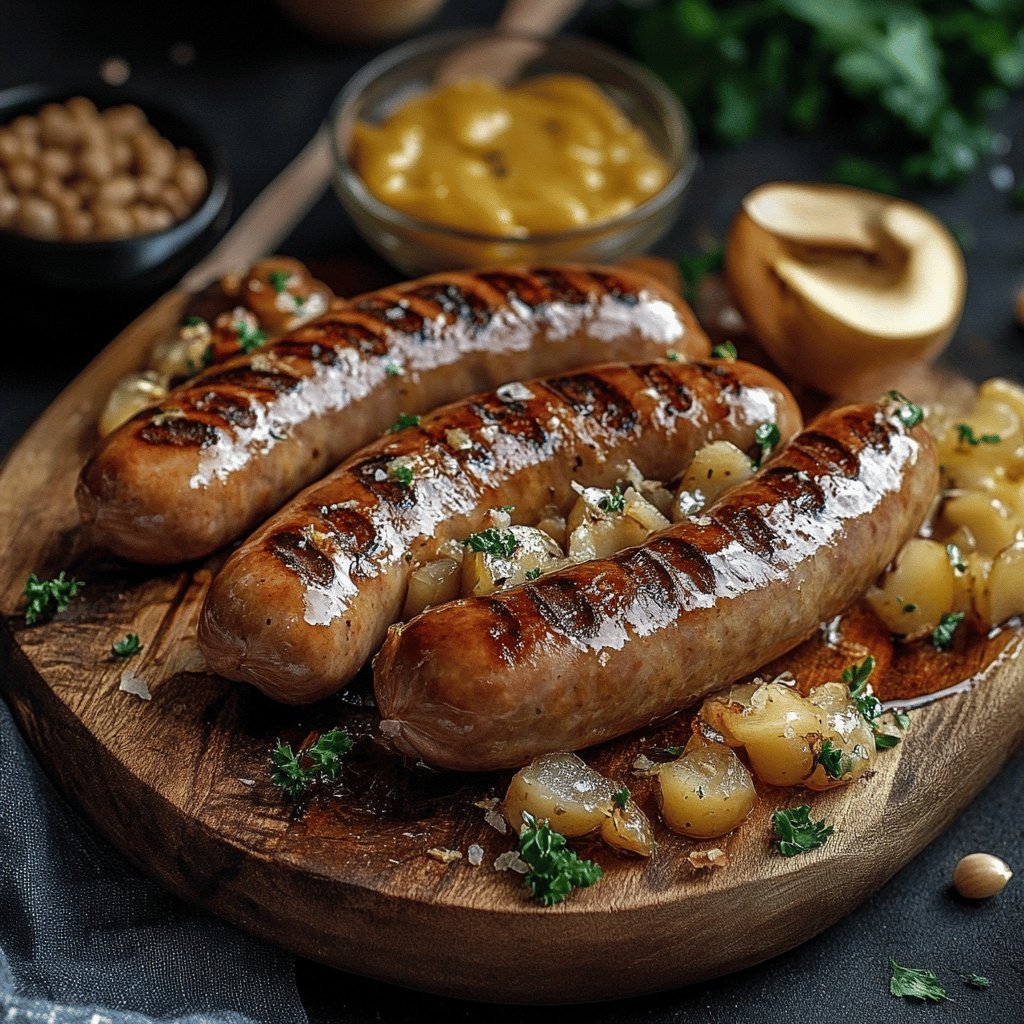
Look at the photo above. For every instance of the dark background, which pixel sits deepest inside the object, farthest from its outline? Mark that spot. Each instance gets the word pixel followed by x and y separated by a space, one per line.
pixel 260 88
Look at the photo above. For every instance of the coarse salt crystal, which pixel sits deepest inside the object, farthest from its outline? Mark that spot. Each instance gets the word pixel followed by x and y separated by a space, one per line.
pixel 131 683
pixel 511 861
pixel 390 727
pixel 475 855
pixel 443 855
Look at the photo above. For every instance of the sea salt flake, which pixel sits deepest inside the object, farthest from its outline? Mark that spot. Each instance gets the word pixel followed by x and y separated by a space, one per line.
pixel 131 683
pixel 475 855
pixel 511 861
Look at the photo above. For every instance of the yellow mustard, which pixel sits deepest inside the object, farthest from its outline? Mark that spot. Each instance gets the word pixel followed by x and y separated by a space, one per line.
pixel 550 154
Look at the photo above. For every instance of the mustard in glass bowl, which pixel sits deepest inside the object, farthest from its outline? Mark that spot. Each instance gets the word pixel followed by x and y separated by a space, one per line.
pixel 472 148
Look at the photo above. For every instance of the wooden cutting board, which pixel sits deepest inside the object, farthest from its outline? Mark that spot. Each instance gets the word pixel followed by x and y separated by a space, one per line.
pixel 180 783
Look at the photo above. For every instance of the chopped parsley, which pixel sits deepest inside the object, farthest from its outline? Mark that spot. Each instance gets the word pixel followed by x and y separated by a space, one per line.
pixel 193 321
pixel 404 421
pixel 401 473
pixel 294 772
pixel 532 574
pixel 492 541
pixel 966 436
pixel 909 414
pixel 127 647
pixel 554 870
pixel 394 370
pixel 766 437
pixel 613 501
pixel 249 338
pixel 673 357
pixel 915 983
pixel 279 280
pixel 856 676
pixel 621 797
pixel 956 558
pixel 834 760
pixel 885 741
pixel 977 981
pixel 902 719
pixel 942 634
pixel 668 751
pixel 796 832
pixel 47 597
pixel 727 350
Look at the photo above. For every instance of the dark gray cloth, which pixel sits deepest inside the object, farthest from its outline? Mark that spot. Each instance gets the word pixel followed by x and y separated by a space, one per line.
pixel 85 939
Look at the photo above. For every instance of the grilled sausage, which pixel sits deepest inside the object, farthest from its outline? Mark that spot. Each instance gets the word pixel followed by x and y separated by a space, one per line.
pixel 595 651
pixel 301 605
pixel 226 449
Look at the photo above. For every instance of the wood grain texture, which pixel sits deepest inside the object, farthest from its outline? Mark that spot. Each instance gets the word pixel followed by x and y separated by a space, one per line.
pixel 180 783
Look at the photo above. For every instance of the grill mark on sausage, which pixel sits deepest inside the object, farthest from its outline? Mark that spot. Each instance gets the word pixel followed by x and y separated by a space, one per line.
pixel 563 285
pixel 650 576
pixel 230 408
pixel 676 395
pixel 352 528
pixel 306 349
pixel 179 432
pixel 794 485
pixel 615 287
pixel 294 552
pixel 457 303
pixel 512 418
pixel 685 557
pixel 825 452
pixel 749 528
pixel 506 632
pixel 394 314
pixel 249 379
pixel 373 473
pixel 527 289
pixel 591 395
pixel 564 606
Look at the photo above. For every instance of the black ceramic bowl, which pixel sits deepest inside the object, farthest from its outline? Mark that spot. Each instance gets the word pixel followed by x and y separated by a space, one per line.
pixel 139 262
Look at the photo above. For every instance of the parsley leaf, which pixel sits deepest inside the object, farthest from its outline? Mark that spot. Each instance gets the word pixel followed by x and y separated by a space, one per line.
pixel 673 357
pixel 766 437
pixel 47 597
pixel 956 558
pixel 193 321
pixel 279 280
pixel 325 755
pixel 404 420
pixel 835 762
pixel 249 338
pixel 294 772
pixel 727 350
pixel 856 676
pixel 401 473
pixel 613 501
pixel 127 647
pixel 915 983
pixel 287 773
pixel 621 797
pixel 942 634
pixel 796 832
pixel 909 414
pixel 532 574
pixel 554 870
pixel 499 543
pixel 394 370
pixel 885 741
pixel 965 435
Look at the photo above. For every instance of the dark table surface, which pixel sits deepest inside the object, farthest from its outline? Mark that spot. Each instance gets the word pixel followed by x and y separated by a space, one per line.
pixel 260 88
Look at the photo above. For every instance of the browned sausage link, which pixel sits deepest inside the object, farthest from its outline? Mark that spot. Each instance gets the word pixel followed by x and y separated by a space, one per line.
pixel 605 647
pixel 302 605
pixel 226 449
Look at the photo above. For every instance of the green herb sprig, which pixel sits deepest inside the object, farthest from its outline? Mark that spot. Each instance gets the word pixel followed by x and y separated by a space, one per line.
pixel 915 983
pixel 294 772
pixel 726 350
pixel 492 541
pixel 766 436
pixel 249 338
pixel 555 871
pixel 614 501
pixel 966 436
pixel 47 597
pixel 126 647
pixel 796 832
pixel 942 634
pixel 404 421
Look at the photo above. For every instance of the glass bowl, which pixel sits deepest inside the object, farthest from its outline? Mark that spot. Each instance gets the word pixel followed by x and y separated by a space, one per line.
pixel 417 246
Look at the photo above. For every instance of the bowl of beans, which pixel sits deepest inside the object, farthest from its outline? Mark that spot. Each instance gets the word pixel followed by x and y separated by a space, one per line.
pixel 99 191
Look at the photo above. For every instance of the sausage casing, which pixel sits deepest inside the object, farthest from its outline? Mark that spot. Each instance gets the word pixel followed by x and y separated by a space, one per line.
pixel 597 650
pixel 303 603
pixel 219 454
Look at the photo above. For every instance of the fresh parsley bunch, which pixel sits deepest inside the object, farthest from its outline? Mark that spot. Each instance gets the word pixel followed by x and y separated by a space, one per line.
pixel 294 772
pixel 555 870
pixel 912 82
